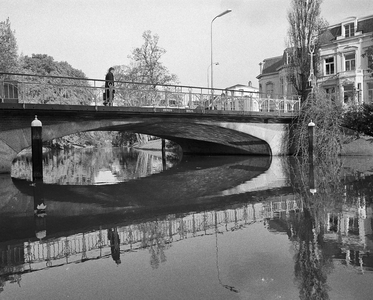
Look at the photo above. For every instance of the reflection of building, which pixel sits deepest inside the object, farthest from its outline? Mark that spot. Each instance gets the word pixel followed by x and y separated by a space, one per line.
pixel 342 71
pixel 352 226
pixel 352 229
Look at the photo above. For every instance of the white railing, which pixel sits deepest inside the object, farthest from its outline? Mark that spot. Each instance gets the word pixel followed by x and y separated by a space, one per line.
pixel 25 88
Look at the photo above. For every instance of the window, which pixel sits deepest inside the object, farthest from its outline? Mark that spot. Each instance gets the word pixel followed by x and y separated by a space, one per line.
pixel 330 93
pixel 289 58
pixel 329 65
pixel 370 92
pixel 350 62
pixel 370 62
pixel 269 89
pixel 348 94
pixel 282 85
pixel 349 30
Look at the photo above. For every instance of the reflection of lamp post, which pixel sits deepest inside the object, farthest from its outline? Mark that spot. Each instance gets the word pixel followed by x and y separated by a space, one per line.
pixel 212 63
pixel 228 287
pixel 208 71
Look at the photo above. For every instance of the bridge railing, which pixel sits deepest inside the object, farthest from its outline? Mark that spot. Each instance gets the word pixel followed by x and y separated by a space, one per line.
pixel 28 88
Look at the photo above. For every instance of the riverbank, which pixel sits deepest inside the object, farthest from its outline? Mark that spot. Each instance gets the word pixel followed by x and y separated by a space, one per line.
pixel 151 145
pixel 360 146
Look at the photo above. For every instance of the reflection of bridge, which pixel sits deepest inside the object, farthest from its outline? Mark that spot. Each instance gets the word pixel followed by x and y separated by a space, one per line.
pixel 230 122
pixel 159 234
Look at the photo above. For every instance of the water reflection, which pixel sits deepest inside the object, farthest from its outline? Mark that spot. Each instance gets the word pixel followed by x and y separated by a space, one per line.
pixel 245 221
pixel 91 166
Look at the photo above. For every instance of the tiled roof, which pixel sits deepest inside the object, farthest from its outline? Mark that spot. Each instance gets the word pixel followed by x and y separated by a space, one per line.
pixel 331 34
pixel 365 25
pixel 272 64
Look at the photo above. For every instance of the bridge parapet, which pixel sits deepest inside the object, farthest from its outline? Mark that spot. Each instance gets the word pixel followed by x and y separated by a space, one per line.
pixel 38 89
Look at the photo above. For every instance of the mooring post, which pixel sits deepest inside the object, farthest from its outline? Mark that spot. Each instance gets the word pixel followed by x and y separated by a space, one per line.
pixel 37 150
pixel 164 154
pixel 311 156
pixel 311 140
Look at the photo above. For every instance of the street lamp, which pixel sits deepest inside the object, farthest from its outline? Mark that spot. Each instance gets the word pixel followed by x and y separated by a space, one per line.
pixel 208 71
pixel 311 78
pixel 212 63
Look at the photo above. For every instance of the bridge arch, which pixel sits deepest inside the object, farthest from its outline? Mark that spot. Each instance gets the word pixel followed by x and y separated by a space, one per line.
pixel 196 132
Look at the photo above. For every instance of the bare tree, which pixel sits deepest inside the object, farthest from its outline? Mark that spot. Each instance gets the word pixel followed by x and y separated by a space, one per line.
pixel 306 25
pixel 145 67
pixel 146 62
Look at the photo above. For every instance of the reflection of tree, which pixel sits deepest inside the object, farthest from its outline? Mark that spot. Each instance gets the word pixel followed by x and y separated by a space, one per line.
pixel 81 166
pixel 154 238
pixel 311 266
pixel 332 192
pixel 12 275
pixel 312 263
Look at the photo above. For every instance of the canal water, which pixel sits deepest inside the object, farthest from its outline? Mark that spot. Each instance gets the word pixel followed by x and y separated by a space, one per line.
pixel 124 224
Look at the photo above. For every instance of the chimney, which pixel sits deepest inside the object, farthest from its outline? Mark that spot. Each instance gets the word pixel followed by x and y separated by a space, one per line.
pixel 260 65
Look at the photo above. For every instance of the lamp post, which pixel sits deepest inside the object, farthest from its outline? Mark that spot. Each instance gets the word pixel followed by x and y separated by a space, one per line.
pixel 312 78
pixel 212 63
pixel 208 71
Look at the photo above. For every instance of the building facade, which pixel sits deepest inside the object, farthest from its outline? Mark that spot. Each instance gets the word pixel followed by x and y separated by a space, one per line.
pixel 248 96
pixel 343 69
pixel 273 77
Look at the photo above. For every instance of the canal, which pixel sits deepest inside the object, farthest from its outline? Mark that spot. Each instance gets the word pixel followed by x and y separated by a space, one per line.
pixel 124 224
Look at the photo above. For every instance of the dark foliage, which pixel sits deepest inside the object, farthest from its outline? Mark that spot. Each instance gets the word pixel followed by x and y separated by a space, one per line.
pixel 360 119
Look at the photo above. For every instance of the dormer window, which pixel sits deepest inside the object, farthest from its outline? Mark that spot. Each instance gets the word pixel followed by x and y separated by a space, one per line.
pixel 289 58
pixel 349 30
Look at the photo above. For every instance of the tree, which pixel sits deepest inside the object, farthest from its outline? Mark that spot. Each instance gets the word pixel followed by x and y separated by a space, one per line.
pixel 54 90
pixel 146 64
pixel 8 48
pixel 305 26
pixel 145 67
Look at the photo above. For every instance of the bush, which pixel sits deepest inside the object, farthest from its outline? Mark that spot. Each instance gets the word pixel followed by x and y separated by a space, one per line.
pixel 359 118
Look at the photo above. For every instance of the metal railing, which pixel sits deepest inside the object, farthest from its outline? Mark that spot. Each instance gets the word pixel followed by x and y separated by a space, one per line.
pixel 28 88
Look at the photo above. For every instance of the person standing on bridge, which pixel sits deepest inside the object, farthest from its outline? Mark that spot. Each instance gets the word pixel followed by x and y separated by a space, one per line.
pixel 109 87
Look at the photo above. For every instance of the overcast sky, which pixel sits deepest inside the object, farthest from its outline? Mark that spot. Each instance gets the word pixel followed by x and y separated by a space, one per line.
pixel 92 35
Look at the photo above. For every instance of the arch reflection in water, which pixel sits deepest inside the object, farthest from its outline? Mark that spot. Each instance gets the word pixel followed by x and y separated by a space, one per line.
pixel 94 166
pixel 325 231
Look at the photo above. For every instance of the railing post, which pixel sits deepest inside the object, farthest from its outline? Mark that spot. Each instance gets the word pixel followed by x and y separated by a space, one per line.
pixel 190 103
pixel 202 101
pixel 166 100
